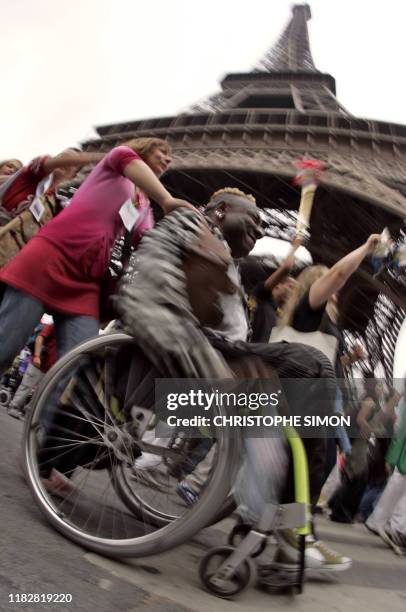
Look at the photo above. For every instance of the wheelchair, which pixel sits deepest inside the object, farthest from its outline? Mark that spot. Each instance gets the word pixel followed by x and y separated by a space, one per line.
pixel 95 437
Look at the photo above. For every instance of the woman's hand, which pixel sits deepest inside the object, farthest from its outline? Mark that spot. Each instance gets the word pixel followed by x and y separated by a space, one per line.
pixel 357 353
pixel 372 242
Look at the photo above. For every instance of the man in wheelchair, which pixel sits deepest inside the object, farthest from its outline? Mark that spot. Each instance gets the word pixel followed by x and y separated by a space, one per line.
pixel 183 297
pixel 183 306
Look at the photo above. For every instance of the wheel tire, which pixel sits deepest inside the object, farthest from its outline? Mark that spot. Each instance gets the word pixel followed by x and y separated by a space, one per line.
pixel 169 536
pixel 210 563
pixel 5 397
pixel 226 510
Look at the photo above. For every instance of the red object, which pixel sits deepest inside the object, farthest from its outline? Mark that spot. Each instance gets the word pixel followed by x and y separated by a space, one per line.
pixel 43 271
pixel 49 355
pixel 25 185
pixel 310 171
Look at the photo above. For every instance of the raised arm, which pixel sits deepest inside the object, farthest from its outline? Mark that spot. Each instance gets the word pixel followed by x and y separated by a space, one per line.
pixel 285 268
pixel 335 278
pixel 71 158
pixel 141 175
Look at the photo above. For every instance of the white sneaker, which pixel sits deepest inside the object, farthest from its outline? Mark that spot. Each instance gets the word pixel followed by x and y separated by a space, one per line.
pixel 318 555
pixel 288 551
pixel 333 561
pixel 393 539
pixel 150 461
pixel 147 461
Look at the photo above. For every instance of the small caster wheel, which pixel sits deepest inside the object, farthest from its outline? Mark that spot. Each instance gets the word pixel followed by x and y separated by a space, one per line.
pixel 238 533
pixel 209 565
pixel 5 397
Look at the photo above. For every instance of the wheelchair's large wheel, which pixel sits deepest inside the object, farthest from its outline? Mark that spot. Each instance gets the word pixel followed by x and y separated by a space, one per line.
pixel 90 430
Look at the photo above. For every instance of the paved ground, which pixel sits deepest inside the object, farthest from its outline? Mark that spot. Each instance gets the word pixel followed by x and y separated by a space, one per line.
pixel 36 559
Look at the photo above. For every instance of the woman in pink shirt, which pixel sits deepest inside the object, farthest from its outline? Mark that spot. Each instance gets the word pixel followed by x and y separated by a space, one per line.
pixel 61 269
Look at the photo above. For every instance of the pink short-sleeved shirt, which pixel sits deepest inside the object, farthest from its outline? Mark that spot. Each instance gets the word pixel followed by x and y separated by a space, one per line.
pixel 65 262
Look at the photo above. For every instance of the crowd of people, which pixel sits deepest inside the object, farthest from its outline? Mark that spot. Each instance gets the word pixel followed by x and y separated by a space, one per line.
pixel 243 311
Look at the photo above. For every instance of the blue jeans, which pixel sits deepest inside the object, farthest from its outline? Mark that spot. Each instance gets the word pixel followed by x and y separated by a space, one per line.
pixel 370 498
pixel 20 313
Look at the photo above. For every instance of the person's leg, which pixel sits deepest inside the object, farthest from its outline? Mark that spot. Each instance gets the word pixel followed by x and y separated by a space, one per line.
pixel 369 500
pixel 70 331
pixel 198 478
pixel 316 450
pixel 389 499
pixel 310 389
pixel 19 314
pixel 331 485
pixel 313 392
pixel 341 433
pixel 397 521
pixel 331 458
pixel 30 380
pixel 309 384
pixel 191 486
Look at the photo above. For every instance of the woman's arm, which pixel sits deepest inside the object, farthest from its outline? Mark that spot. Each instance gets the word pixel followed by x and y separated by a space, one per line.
pixel 332 281
pixel 142 176
pixel 36 358
pixel 71 158
pixel 285 268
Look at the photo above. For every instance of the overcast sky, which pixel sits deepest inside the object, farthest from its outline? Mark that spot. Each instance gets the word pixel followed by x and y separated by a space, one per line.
pixel 68 66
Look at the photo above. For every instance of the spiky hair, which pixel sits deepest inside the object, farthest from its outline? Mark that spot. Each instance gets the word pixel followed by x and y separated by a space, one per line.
pixel 233 191
pixel 222 194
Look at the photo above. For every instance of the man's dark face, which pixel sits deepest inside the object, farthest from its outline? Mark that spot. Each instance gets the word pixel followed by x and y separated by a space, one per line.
pixel 241 227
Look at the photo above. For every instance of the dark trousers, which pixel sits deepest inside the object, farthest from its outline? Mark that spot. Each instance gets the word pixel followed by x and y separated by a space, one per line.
pixel 297 361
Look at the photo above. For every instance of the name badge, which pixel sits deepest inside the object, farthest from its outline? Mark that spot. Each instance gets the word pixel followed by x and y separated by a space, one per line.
pixel 129 215
pixel 37 209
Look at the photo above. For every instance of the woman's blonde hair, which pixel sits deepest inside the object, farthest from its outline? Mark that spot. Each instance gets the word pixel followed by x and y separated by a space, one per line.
pixel 303 283
pixel 145 146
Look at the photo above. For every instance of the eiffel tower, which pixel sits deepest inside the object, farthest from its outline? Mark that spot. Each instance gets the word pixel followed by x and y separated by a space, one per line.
pixel 249 135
